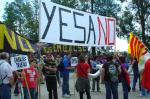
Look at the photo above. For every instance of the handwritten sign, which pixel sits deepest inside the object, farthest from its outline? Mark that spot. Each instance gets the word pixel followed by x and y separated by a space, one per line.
pixel 20 62
pixel 74 61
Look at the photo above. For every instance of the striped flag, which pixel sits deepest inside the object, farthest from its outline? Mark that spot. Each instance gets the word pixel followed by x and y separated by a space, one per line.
pixel 137 49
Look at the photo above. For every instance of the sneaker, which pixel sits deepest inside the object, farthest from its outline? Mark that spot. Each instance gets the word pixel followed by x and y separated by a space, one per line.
pixel 42 83
pixel 92 90
pixel 16 94
pixel 66 96
pixel 142 95
pixel 98 91
pixel 133 90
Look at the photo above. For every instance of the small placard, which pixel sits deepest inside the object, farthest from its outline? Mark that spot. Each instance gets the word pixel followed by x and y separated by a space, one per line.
pixel 74 61
pixel 19 62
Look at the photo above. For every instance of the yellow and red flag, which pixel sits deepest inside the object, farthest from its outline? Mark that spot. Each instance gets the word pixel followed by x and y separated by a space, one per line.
pixel 136 48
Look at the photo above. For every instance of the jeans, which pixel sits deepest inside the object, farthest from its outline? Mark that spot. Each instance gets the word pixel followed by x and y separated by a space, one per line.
pixel 125 88
pixel 58 77
pixel 26 94
pixel 5 91
pixel 136 76
pixel 51 83
pixel 95 80
pixel 143 91
pixel 87 94
pixel 65 85
pixel 111 88
pixel 16 90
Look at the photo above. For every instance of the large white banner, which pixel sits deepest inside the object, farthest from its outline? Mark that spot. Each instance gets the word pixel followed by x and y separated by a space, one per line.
pixel 63 25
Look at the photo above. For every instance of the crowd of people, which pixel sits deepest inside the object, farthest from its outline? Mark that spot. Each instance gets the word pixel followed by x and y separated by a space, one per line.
pixel 49 69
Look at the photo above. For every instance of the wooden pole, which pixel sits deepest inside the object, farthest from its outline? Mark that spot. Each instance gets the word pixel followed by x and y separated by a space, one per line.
pixel 27 84
pixel 74 77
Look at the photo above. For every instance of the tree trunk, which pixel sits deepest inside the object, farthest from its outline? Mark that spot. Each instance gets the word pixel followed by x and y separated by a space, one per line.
pixel 143 30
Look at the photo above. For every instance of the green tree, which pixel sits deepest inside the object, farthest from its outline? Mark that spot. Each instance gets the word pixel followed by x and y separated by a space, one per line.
pixel 108 8
pixel 21 16
pixel 126 24
pixel 141 13
pixel 68 3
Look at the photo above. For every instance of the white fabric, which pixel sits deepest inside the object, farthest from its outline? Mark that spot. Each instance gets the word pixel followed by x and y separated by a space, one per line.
pixel 5 69
pixel 97 73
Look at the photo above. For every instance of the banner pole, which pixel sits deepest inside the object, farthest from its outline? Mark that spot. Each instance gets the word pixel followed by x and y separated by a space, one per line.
pixel 27 84
pixel 74 76
pixel 40 72
pixel 20 87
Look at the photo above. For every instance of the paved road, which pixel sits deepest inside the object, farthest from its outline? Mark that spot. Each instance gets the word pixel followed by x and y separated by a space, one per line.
pixel 94 95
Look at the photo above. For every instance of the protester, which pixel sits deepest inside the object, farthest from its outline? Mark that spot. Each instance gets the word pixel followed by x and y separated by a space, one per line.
pixel 135 72
pixel 65 76
pixel 94 69
pixel 143 91
pixel 6 76
pixel 109 75
pixel 50 70
pixel 144 79
pixel 58 60
pixel 29 81
pixel 124 76
pixel 17 87
pixel 83 83
pixel 42 64
pixel 86 58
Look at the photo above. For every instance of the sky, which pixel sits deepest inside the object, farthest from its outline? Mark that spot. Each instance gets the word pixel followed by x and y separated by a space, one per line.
pixel 121 44
pixel 2 6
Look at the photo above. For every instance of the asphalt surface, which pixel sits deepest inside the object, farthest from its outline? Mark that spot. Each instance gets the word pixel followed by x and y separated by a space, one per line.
pixel 94 95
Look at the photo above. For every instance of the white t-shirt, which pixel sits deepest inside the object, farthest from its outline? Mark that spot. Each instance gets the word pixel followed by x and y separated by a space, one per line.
pixel 5 69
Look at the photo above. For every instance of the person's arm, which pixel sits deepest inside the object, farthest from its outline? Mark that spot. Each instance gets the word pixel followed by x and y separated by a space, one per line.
pixel 11 81
pixel 10 75
pixel 51 69
pixel 102 75
pixel 119 69
pixel 70 67
pixel 125 71
pixel 89 70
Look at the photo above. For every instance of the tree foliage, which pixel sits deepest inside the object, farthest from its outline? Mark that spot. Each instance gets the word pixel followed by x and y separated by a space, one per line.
pixel 141 13
pixel 106 8
pixel 126 24
pixel 21 17
pixel 68 3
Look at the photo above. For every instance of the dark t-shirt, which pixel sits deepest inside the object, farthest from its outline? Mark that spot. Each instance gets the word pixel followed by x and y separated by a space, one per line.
pixel 105 66
pixel 51 64
pixel 135 66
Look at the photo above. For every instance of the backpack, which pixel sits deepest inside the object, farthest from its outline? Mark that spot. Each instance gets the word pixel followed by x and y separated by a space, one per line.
pixel 112 73
pixel 61 66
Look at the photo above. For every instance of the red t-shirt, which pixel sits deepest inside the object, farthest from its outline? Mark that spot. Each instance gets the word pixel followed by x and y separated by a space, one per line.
pixel 31 76
pixel 82 69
